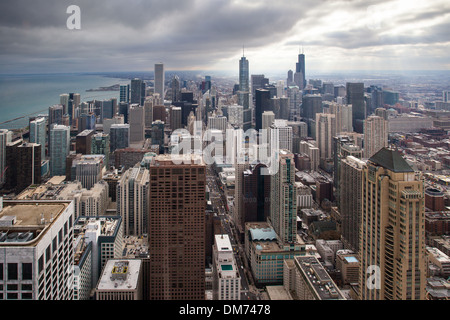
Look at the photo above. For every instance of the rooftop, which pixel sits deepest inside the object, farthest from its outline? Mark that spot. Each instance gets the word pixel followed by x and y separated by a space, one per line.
pixel 392 160
pixel 120 275
pixel 28 218
pixel 318 279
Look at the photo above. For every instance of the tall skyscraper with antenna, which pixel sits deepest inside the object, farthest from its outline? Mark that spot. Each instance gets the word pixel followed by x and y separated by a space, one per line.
pixel 244 91
pixel 300 70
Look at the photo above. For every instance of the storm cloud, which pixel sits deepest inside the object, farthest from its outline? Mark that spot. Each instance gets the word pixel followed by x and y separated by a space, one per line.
pixel 192 34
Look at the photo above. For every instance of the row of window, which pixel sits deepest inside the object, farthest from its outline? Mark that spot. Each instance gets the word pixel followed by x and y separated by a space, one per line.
pixel 12 271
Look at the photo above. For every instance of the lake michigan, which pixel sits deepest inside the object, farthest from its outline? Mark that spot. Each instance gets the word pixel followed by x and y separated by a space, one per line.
pixel 32 94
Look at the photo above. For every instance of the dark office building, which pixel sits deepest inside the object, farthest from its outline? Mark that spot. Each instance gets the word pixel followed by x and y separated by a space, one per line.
pixel 256 195
pixel 84 141
pixel 124 109
pixel 300 68
pixel 23 162
pixel 160 113
pixel 262 103
pixel 355 97
pixel 137 94
pixel 311 105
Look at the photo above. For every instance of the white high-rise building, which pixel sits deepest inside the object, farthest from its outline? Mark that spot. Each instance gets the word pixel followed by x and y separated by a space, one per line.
pixel 284 133
pixel 376 130
pixel 38 133
pixel 268 117
pixel 226 277
pixel 88 203
pixel 132 200
pixel 325 131
pixel 88 169
pixel 217 122
pixel 283 199
pixel 36 250
pixel 159 79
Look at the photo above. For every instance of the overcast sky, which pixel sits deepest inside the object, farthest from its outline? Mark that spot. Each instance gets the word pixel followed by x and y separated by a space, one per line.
pixel 133 35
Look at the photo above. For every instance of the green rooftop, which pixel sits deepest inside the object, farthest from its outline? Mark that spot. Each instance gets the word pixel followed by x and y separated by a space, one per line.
pixel 391 160
pixel 227 267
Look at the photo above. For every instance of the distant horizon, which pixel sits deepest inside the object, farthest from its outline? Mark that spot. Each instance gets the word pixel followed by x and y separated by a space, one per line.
pixel 324 71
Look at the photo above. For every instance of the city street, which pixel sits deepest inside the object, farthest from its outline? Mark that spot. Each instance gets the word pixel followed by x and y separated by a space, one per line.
pixel 217 200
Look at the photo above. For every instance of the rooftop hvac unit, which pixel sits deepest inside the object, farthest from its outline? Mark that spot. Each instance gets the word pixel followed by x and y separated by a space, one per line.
pixel 11 237
pixel 19 237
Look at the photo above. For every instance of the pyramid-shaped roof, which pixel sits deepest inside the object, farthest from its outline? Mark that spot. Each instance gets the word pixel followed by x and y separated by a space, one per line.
pixel 392 160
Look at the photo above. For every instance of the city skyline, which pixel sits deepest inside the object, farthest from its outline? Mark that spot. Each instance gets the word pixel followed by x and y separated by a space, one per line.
pixel 385 35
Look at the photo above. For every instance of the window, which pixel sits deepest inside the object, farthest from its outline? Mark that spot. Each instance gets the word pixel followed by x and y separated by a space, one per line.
pixel 1 271
pixel 27 296
pixel 12 271
pixel 41 264
pixel 27 271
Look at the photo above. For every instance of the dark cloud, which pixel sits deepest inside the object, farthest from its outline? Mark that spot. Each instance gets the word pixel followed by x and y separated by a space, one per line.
pixel 134 34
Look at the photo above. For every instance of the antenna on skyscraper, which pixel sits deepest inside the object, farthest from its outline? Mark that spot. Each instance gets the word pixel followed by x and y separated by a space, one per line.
pixel 243 47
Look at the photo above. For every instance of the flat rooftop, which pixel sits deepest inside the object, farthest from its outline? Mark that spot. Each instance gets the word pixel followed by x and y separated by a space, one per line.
pixel 29 216
pixel 319 281
pixel 120 275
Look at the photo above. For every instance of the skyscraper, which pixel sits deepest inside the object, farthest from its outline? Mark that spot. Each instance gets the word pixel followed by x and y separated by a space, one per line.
pixel 124 93
pixel 176 88
pixel 59 149
pixel 119 136
pixel 159 79
pixel 136 116
pixel 24 165
pixel 38 133
pixel 175 118
pixel 256 195
pixel 132 200
pixel 5 138
pixel 325 131
pixel 244 87
pixel 137 91
pixel 355 97
pixel 176 230
pixel 84 142
pixel 284 134
pixel 226 276
pixel 55 114
pixel 100 144
pixel 262 103
pixel 392 230
pixel 376 131
pixel 300 70
pixel 64 101
pixel 268 118
pixel 350 200
pixel 283 199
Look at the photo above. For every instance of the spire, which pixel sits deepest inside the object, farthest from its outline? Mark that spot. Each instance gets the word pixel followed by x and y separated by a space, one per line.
pixel 243 47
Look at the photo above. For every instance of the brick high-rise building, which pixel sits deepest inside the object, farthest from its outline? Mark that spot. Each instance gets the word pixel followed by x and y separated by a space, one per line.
pixel 176 230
